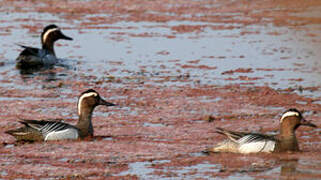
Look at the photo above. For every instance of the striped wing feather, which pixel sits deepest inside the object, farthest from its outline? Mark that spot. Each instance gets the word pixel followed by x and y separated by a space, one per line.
pixel 46 127
pixel 254 137
pixel 244 137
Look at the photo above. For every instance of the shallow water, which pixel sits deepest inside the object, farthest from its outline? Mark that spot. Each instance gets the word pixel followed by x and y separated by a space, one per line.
pixel 206 170
pixel 288 59
pixel 143 170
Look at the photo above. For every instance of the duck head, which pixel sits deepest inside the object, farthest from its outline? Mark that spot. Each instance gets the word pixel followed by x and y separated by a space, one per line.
pixel 89 99
pixel 292 118
pixel 50 35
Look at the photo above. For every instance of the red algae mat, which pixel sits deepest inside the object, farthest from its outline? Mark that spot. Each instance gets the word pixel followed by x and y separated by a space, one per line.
pixel 154 59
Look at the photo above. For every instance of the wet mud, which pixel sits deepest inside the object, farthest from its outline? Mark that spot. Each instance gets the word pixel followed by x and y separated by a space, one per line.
pixel 177 70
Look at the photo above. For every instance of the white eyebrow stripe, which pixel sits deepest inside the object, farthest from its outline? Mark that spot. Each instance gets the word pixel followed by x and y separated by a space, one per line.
pixel 45 36
pixel 287 114
pixel 84 96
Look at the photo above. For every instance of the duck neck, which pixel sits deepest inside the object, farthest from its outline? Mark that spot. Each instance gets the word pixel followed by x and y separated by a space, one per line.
pixel 84 123
pixel 49 46
pixel 286 131
pixel 286 139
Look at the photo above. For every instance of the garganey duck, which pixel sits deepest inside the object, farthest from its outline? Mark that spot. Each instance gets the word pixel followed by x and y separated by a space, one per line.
pixel 54 130
pixel 32 57
pixel 244 142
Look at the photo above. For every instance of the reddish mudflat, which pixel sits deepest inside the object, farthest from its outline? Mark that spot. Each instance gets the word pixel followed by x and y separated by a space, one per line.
pixel 177 70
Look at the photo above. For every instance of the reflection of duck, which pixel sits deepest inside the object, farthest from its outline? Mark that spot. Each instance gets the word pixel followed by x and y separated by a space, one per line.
pixel 244 142
pixel 54 130
pixel 44 74
pixel 32 57
pixel 288 169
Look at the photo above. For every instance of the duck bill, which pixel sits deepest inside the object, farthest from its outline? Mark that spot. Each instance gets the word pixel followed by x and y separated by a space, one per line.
pixel 307 123
pixel 62 36
pixel 105 103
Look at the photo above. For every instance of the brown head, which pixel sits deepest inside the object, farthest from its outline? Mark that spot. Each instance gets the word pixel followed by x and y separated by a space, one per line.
pixel 292 119
pixel 289 122
pixel 87 102
pixel 89 99
pixel 50 35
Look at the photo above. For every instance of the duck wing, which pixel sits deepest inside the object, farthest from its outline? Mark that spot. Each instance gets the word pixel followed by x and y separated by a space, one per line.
pixel 46 127
pixel 244 136
pixel 232 135
pixel 244 142
pixel 29 51
pixel 44 130
pixel 254 143
pixel 30 57
pixel 255 137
